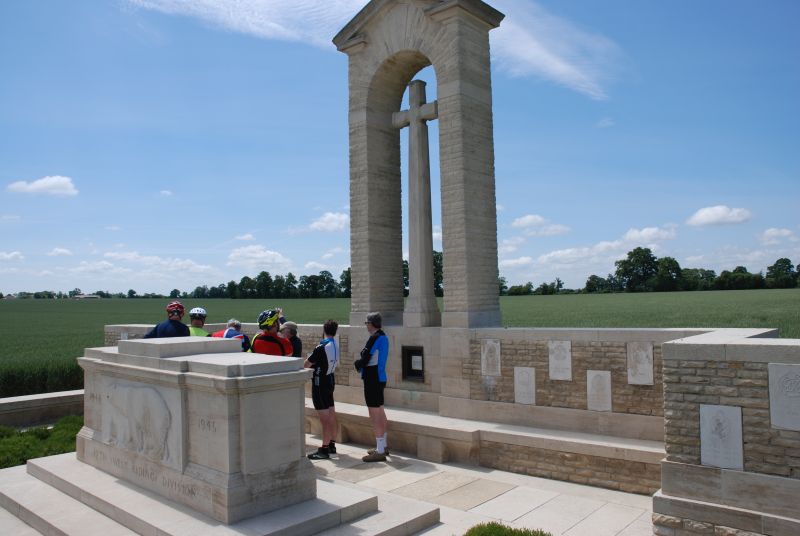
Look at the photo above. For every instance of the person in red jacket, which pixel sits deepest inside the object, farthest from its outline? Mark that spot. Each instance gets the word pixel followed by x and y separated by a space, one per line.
pixel 268 341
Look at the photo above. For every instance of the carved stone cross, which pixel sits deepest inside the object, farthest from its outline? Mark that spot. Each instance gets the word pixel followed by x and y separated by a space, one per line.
pixel 421 308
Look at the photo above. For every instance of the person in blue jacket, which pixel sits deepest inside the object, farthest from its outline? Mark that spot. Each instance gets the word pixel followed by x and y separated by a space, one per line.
pixel 172 326
pixel 372 365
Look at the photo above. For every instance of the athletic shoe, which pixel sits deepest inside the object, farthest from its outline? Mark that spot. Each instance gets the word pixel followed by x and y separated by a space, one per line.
pixel 332 447
pixel 321 454
pixel 373 451
pixel 374 457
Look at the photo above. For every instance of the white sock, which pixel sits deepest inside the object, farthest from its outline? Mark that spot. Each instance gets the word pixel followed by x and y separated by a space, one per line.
pixel 381 445
pixel 384 435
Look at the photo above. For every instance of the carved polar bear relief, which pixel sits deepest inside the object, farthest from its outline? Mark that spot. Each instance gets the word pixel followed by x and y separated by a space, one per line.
pixel 140 420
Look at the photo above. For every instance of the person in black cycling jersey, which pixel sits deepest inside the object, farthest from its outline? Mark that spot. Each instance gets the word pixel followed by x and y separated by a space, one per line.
pixel 172 326
pixel 323 360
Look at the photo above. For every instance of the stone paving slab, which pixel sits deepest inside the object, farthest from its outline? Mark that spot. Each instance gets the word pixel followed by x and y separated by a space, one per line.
pixel 559 514
pixel 562 508
pixel 516 503
pixel 473 494
pixel 432 487
pixel 608 520
pixel 364 471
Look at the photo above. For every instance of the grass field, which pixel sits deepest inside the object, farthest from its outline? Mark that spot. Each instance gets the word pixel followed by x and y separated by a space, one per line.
pixel 50 334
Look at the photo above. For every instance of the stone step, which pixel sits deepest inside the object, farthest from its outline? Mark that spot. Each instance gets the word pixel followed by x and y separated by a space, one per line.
pixel 49 511
pixel 11 524
pixel 147 513
pixel 396 516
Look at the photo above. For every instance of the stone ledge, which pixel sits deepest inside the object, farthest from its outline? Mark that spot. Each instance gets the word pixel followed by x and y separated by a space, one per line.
pixel 718 515
pixel 31 410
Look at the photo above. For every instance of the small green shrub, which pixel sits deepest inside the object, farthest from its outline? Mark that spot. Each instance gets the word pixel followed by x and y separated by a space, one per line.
pixel 17 447
pixel 497 529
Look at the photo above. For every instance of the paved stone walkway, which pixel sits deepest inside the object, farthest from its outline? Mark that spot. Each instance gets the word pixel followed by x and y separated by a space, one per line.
pixel 471 495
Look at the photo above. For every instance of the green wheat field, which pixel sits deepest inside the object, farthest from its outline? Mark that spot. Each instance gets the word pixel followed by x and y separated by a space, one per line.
pixel 40 339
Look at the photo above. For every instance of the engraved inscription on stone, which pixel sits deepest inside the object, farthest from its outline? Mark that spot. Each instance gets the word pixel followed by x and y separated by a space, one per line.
pixel 640 363
pixel 525 385
pixel 598 390
pixel 560 360
pixel 490 357
pixel 137 418
pixel 784 396
pixel 721 437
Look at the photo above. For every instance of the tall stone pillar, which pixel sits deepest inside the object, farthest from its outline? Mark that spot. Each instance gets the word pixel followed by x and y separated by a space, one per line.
pixel 469 208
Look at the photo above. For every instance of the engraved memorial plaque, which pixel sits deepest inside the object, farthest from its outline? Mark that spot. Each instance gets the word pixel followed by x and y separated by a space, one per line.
pixel 490 357
pixel 721 437
pixel 525 385
pixel 560 360
pixel 784 396
pixel 640 363
pixel 416 362
pixel 598 390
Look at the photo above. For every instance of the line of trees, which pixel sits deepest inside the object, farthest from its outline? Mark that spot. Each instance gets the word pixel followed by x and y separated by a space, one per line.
pixel 641 271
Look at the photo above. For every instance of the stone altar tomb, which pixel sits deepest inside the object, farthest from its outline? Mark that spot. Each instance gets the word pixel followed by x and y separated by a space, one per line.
pixel 196 420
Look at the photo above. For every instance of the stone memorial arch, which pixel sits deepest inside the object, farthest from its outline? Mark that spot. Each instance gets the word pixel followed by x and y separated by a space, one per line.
pixel 387 43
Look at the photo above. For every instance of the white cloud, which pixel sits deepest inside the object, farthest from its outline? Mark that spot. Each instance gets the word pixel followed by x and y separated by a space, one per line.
pixel 530 41
pixel 437 236
pixel 306 21
pixel 535 225
pixel 719 215
pixel 332 253
pixel 499 207
pixel 774 236
pixel 53 185
pixel 247 237
pixel 331 222
pixel 533 42
pixel 316 266
pixel 605 122
pixel 165 193
pixel 13 256
pixel 650 234
pixel 99 268
pixel 516 263
pixel 59 252
pixel 257 258
pixel 113 228
pixel 154 263
pixel 7 218
pixel 531 220
pixel 510 245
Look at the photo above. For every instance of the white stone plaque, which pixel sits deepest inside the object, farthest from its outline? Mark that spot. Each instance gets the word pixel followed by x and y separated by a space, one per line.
pixel 721 437
pixel 525 385
pixel 784 396
pixel 640 363
pixel 598 390
pixel 416 362
pixel 560 360
pixel 490 357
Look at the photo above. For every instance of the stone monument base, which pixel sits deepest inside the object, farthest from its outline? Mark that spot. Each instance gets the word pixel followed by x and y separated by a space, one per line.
pixel 67 484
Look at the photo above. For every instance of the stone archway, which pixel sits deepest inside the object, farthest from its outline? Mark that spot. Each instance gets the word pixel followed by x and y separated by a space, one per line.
pixel 387 43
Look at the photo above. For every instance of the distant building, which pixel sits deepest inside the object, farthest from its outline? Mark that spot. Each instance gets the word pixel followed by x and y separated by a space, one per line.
pixel 86 297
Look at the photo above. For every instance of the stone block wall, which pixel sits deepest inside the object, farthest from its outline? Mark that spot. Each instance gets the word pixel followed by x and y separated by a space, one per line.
pixel 586 355
pixel 609 473
pixel 742 384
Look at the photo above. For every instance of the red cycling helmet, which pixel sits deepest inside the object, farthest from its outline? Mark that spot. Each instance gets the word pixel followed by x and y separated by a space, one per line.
pixel 175 307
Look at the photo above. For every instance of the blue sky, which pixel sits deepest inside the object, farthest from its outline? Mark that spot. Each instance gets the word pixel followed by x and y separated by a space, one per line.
pixel 159 144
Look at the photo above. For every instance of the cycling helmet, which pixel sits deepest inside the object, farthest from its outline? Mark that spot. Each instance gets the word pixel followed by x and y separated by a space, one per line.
pixel 175 307
pixel 198 312
pixel 268 318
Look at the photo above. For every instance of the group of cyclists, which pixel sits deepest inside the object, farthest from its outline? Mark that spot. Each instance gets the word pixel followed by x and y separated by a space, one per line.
pixel 278 337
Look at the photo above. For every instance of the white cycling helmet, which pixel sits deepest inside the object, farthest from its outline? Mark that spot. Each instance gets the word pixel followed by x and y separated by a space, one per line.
pixel 198 312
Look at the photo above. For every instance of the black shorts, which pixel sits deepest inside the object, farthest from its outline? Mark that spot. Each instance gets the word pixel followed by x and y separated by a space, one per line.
pixel 322 395
pixel 373 388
